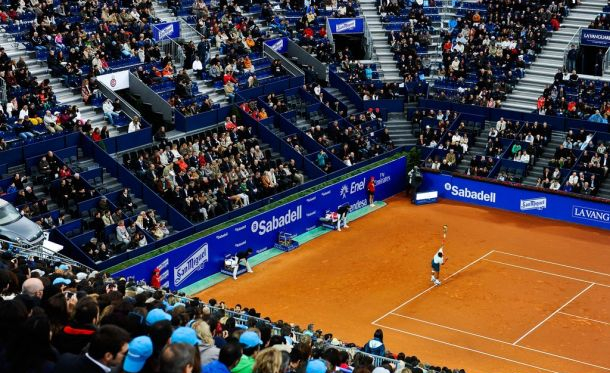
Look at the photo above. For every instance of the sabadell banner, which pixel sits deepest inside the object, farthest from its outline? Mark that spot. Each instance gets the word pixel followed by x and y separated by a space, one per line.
pixel 205 256
pixel 531 202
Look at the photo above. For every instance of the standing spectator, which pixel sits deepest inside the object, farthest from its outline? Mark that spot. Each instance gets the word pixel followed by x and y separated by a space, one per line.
pixel 86 92
pixel 107 349
pixel 571 60
pixel 375 346
pixel 370 189
pixel 155 280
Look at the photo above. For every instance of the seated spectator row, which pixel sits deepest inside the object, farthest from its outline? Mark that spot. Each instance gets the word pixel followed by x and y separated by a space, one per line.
pixel 482 57
pixel 214 172
pixel 571 96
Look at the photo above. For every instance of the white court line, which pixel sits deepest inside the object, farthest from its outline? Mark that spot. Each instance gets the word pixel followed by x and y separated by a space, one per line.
pixel 554 313
pixel 554 263
pixel 503 342
pixel 584 318
pixel 546 273
pixel 433 286
pixel 467 348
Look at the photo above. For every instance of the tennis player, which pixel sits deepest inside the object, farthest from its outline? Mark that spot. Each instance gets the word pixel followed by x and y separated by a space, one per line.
pixel 437 261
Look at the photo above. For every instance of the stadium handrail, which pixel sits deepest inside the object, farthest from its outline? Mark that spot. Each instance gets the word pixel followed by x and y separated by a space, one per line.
pixel 242 320
pixel 39 251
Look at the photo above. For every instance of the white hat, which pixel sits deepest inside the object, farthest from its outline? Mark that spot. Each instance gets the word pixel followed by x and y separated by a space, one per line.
pixel 380 370
pixel 80 276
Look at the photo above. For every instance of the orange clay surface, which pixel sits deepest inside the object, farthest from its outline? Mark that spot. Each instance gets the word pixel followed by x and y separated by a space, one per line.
pixel 519 294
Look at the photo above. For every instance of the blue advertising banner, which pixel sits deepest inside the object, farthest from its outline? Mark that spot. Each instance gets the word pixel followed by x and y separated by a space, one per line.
pixel 279 45
pixel 346 25
pixel 205 256
pixel 531 202
pixel 598 38
pixel 167 30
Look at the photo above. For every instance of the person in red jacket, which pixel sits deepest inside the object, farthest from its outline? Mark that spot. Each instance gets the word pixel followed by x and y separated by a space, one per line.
pixel 370 190
pixel 155 281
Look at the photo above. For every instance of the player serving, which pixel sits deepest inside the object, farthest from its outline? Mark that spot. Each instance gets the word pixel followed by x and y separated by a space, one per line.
pixel 438 260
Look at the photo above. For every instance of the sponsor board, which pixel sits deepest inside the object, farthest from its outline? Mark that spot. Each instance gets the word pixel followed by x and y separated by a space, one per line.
pixel 279 45
pixel 205 256
pixel 525 201
pixel 588 213
pixel 276 222
pixel 191 264
pixel 346 25
pixel 166 30
pixel 479 195
pixel 533 204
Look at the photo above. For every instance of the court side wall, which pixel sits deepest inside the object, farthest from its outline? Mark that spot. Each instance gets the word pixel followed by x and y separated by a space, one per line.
pixel 530 202
pixel 205 256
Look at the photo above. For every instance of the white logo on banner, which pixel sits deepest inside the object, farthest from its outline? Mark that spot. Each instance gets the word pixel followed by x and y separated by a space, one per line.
pixel 166 31
pixel 346 26
pixel 164 269
pixel 115 81
pixel 278 45
pixel 191 264
pixel 587 213
pixel 467 193
pixel 265 226
pixel 533 204
pixel 359 186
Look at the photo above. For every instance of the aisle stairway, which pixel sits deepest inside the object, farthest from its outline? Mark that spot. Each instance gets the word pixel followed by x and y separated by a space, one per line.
pixel 187 34
pixel 386 66
pixel 543 160
pixel 64 95
pixel 542 71
pixel 401 130
pixel 351 108
pixel 477 147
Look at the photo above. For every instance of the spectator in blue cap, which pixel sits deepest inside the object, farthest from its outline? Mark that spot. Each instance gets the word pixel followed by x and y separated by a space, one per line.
pixel 61 281
pixel 316 366
pixel 140 349
pixel 251 342
pixel 157 315
pixel 185 335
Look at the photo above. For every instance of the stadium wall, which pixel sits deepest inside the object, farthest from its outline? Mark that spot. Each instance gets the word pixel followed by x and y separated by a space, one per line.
pixel 555 206
pixel 205 256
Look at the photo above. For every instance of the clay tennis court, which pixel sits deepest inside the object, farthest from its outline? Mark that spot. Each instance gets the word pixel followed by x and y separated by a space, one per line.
pixel 519 294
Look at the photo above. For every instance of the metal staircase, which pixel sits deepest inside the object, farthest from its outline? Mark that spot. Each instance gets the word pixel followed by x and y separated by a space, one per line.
pixel 543 70
pixel 64 95
pixel 188 34
pixel 386 65
pixel 401 130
